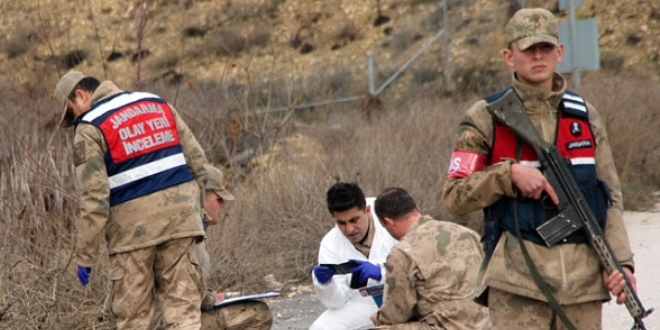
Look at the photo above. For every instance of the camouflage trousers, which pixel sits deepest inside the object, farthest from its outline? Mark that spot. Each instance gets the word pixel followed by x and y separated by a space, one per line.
pixel 246 315
pixel 167 275
pixel 510 311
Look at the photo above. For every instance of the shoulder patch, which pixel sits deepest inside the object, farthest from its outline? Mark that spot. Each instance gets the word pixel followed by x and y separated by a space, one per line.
pixel 79 154
pixel 574 105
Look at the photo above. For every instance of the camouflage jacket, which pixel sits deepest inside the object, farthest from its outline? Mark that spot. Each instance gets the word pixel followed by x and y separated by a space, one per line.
pixel 431 275
pixel 571 270
pixel 145 221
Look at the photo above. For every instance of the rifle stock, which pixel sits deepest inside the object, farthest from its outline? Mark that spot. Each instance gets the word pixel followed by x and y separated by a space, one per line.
pixel 574 212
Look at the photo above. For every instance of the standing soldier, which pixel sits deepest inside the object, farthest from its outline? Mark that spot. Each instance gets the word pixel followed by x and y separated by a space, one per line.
pixel 493 169
pixel 137 163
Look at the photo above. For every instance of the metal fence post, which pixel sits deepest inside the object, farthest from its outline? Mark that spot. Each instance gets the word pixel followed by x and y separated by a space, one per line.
pixel 370 72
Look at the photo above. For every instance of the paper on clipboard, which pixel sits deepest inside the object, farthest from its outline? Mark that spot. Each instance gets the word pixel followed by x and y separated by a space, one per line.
pixel 247 297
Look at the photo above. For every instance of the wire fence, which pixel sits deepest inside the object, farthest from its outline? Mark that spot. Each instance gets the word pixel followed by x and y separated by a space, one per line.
pixel 341 82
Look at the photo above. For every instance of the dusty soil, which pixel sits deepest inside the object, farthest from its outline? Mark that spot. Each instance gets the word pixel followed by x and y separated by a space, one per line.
pixel 301 309
pixel 643 230
pixel 209 40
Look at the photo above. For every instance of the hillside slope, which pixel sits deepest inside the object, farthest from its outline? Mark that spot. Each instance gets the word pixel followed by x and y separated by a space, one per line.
pixel 237 39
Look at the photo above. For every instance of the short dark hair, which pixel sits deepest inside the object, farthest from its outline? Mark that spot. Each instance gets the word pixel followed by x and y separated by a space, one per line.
pixel 89 84
pixel 394 203
pixel 343 196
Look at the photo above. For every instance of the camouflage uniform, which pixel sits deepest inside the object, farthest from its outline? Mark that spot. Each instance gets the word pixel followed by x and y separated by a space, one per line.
pixel 431 274
pixel 571 270
pixel 246 315
pixel 149 238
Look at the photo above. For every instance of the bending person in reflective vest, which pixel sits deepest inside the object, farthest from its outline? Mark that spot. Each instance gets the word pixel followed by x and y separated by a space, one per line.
pixel 137 164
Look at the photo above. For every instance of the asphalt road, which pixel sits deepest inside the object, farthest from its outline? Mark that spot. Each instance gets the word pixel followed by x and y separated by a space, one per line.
pixel 300 310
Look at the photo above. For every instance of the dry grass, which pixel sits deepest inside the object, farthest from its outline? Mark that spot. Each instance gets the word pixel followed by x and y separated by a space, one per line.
pixel 275 225
pixel 279 165
pixel 629 106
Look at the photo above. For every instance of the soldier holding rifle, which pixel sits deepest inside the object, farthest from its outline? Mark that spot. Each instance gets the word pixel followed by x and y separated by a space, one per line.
pixel 528 284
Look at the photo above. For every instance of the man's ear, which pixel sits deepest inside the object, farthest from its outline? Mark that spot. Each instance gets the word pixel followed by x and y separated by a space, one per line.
pixel 560 50
pixel 390 222
pixel 507 56
pixel 81 94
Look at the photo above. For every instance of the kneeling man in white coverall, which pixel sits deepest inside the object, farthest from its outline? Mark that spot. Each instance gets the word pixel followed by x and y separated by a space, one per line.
pixel 358 237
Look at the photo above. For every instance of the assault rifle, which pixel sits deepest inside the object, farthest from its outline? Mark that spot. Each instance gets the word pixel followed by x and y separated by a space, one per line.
pixel 574 212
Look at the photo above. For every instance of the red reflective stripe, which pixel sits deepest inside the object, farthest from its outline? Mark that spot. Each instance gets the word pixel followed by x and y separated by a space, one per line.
pixel 464 163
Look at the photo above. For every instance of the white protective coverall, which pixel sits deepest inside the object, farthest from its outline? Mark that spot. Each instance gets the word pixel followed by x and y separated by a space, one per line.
pixel 347 309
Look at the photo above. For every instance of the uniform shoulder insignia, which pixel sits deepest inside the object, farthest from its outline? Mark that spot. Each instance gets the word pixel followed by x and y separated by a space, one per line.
pixel 573 104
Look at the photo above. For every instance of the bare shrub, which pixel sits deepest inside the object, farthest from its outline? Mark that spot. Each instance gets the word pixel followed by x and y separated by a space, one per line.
pixel 629 108
pixel 38 207
pixel 18 43
pixel 259 37
pixel 404 39
pixel 612 61
pixel 344 33
pixel 226 41
pixel 246 9
pixel 164 62
pixel 73 58
pixel 425 75
pixel 480 79
pixel 280 216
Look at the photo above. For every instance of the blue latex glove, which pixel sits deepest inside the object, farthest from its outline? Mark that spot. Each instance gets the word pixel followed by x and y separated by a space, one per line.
pixel 366 270
pixel 323 274
pixel 83 274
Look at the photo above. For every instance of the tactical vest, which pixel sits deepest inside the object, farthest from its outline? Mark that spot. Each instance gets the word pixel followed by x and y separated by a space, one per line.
pixel 144 153
pixel 576 143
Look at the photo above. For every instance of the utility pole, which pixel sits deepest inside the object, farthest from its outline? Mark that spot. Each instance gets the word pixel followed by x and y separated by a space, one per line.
pixel 449 84
pixel 574 42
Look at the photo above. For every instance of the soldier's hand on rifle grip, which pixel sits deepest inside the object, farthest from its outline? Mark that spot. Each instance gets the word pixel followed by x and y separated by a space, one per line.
pixel 531 182
pixel 615 283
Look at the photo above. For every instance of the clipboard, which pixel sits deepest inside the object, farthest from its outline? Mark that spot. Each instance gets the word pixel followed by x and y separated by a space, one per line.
pixel 246 297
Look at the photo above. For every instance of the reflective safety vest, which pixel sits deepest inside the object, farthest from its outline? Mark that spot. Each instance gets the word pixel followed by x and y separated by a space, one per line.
pixel 144 153
pixel 576 143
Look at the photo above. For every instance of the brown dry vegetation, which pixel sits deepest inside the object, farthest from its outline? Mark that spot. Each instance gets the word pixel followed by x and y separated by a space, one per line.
pixel 279 164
